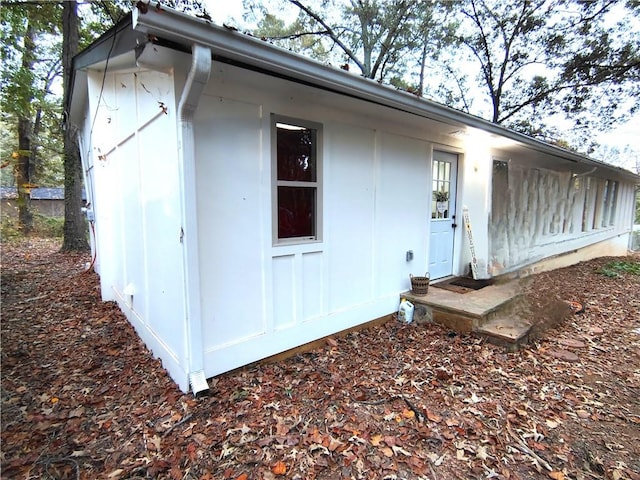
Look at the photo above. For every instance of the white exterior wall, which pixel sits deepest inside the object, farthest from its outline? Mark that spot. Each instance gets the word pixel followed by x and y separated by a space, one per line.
pixel 474 187
pixel 259 299
pixel 256 298
pixel 132 175
pixel 538 213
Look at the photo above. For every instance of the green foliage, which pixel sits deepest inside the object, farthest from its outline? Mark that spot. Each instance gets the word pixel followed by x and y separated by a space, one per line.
pixel 50 227
pixel 536 59
pixel 29 76
pixel 378 39
pixel 43 226
pixel 615 268
pixel 291 36
pixel 30 55
pixel 441 196
pixel 98 17
pixel 10 229
pixel 635 240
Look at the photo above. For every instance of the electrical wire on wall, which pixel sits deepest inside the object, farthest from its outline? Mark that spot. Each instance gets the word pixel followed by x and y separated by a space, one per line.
pixel 104 78
pixel 89 268
pixel 87 171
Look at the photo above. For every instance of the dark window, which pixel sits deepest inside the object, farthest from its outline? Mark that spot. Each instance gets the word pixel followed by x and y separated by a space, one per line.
pixel 296 182
pixel 296 212
pixel 296 154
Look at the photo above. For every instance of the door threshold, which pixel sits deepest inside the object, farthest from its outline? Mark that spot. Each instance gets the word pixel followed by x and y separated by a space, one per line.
pixel 435 281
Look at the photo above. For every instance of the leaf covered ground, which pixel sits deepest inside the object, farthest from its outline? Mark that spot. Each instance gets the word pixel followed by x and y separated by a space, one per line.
pixel 82 398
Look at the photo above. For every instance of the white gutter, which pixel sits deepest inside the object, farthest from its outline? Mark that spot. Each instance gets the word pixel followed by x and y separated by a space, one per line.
pixel 168 24
pixel 194 86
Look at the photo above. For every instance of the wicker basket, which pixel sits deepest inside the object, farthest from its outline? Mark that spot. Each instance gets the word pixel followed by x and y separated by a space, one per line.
pixel 419 285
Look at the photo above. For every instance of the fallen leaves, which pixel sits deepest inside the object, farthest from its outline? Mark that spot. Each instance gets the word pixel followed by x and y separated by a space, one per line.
pixel 399 451
pixel 433 417
pixel 279 468
pixel 82 393
pixel 564 355
pixel 571 343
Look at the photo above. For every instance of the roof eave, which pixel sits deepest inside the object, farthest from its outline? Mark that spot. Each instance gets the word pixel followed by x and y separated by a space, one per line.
pixel 119 39
pixel 168 24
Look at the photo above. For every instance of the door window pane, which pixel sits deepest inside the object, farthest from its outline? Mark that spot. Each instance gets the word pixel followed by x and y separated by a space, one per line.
pixel 441 190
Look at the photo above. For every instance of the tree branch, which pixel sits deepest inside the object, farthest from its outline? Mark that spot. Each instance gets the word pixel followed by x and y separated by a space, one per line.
pixel 295 36
pixel 542 95
pixel 330 32
pixel 486 66
pixel 392 35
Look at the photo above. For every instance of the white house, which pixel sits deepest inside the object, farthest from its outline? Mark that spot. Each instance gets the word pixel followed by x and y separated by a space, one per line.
pixel 247 200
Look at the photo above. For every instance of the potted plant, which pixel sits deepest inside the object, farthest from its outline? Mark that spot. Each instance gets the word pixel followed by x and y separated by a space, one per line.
pixel 441 196
pixel 442 201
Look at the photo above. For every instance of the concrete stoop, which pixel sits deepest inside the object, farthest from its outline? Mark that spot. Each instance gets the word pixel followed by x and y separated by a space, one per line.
pixel 510 332
pixel 497 312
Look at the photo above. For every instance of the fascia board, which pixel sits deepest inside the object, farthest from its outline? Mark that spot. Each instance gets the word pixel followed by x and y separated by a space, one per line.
pixel 181 28
pixel 78 97
pixel 184 29
pixel 114 42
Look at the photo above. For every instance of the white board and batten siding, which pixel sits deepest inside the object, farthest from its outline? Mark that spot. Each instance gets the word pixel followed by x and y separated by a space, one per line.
pixel 260 298
pixel 134 177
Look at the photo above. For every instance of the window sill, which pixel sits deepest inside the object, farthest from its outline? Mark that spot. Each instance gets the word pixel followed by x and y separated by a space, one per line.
pixel 297 247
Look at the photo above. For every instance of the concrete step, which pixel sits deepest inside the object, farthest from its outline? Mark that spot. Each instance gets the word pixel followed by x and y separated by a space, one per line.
pixel 495 312
pixel 508 331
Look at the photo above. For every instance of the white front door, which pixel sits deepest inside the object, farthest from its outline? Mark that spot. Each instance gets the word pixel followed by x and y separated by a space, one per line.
pixel 443 213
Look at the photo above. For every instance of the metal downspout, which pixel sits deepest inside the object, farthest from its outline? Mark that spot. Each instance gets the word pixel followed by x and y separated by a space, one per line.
pixel 194 86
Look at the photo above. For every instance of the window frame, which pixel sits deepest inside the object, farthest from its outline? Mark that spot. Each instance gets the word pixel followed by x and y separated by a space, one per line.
pixel 316 185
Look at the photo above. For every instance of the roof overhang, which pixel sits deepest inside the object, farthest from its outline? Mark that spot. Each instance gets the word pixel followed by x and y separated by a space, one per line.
pixel 179 31
pixel 119 40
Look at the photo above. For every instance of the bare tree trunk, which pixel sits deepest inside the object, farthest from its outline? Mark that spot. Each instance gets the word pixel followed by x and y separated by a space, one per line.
pixel 423 61
pixel 22 178
pixel 23 167
pixel 75 230
pixel 75 226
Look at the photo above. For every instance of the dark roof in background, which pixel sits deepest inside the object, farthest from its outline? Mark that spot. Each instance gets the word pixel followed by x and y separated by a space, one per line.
pixel 39 193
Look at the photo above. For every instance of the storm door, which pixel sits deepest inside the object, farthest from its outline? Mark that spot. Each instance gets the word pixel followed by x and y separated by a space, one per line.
pixel 443 213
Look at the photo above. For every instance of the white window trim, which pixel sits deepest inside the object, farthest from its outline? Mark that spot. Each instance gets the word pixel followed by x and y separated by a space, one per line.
pixel 275 183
